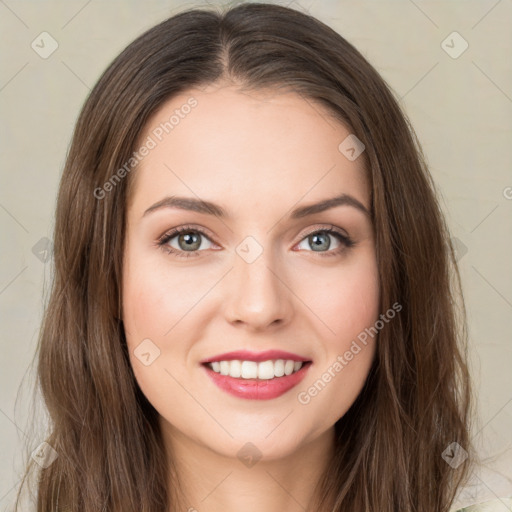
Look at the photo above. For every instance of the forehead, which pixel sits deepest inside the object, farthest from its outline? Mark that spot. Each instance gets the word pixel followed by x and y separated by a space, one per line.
pixel 245 149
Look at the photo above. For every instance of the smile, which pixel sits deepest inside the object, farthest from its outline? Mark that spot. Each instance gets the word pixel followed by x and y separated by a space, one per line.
pixel 242 379
pixel 264 370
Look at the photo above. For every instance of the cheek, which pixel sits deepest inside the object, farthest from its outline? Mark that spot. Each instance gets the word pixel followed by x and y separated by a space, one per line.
pixel 158 307
pixel 346 300
pixel 144 307
pixel 152 311
pixel 148 313
pixel 155 298
pixel 347 303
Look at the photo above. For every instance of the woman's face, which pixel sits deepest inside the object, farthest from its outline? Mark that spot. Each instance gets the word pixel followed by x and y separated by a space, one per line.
pixel 256 273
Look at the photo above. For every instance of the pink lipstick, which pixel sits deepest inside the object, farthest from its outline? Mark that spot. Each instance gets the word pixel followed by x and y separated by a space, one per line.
pixel 256 376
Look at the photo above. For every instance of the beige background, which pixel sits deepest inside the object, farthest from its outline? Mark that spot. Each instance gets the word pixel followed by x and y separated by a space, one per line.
pixel 460 107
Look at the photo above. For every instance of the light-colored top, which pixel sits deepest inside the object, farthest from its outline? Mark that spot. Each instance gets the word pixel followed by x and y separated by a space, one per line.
pixel 497 505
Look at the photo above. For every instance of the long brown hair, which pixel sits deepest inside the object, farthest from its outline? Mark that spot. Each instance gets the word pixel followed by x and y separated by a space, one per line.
pixel 416 400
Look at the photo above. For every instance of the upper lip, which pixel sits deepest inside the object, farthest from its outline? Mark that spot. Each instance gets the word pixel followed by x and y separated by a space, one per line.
pixel 246 355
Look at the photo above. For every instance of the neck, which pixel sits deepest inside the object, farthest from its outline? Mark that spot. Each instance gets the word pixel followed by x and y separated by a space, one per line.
pixel 209 481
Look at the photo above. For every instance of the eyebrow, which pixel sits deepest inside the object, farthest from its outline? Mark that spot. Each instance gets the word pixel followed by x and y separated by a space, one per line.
pixel 209 208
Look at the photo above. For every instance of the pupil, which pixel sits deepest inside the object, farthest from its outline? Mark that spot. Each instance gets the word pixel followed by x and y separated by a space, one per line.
pixel 315 239
pixel 191 241
pixel 188 238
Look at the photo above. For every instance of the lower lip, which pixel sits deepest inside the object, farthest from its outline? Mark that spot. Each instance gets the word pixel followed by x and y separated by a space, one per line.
pixel 256 389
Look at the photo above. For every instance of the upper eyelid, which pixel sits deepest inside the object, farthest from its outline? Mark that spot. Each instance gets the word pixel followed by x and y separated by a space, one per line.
pixel 172 233
pixel 331 227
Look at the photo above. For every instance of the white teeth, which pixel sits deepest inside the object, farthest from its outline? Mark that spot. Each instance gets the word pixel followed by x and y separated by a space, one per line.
pixel 235 369
pixel 288 367
pixel 249 370
pixel 224 367
pixel 264 370
pixel 279 368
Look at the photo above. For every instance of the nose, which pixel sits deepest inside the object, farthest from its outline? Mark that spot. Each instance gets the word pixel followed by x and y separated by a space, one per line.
pixel 257 294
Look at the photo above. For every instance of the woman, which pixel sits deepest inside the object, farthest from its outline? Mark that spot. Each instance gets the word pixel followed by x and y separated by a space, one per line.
pixel 255 295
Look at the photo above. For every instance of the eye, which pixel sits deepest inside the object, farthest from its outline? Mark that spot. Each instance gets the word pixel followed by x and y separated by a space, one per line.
pixel 188 241
pixel 320 240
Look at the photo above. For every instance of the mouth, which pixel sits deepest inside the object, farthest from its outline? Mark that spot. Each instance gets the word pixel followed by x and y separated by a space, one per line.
pixel 264 370
pixel 256 380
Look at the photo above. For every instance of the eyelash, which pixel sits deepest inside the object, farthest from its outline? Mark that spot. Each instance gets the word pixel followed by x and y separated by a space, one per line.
pixel 346 241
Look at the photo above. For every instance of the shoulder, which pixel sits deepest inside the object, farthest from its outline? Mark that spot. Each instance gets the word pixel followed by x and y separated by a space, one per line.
pixel 496 505
pixel 489 489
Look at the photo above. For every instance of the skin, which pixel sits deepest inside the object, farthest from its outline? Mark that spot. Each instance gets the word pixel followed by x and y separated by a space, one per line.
pixel 258 155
